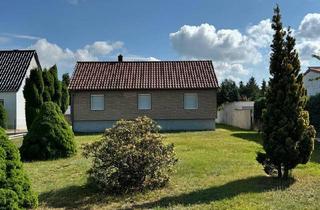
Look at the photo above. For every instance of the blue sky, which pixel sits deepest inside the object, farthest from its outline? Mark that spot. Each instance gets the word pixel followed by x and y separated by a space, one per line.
pixel 235 35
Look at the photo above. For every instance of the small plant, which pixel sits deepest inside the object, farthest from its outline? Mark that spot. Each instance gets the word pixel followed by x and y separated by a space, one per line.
pixel 50 136
pixel 3 117
pixel 15 191
pixel 131 156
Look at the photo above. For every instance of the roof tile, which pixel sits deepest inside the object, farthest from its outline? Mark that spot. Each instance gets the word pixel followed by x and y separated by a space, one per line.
pixel 128 75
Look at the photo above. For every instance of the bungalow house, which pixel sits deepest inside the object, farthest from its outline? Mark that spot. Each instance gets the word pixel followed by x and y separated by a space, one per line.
pixel 311 80
pixel 15 66
pixel 179 95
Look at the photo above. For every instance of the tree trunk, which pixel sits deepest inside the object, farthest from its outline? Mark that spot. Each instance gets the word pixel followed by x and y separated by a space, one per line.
pixel 279 171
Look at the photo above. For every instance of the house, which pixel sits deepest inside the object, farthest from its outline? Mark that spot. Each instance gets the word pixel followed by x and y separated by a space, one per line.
pixel 15 66
pixel 311 80
pixel 179 95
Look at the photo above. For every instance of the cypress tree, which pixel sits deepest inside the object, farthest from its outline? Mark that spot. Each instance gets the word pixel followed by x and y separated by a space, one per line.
pixel 33 91
pixel 48 81
pixel 65 97
pixel 288 139
pixel 56 98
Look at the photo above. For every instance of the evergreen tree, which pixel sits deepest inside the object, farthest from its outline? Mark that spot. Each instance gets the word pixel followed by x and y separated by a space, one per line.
pixel 50 136
pixel 66 79
pixel 49 88
pixel 252 89
pixel 56 98
pixel 33 92
pixel 228 92
pixel 288 139
pixel 242 91
pixel 65 93
pixel 15 190
pixel 263 88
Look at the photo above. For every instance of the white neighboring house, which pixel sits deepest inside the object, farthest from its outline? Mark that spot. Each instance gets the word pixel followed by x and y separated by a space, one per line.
pixel 311 80
pixel 15 66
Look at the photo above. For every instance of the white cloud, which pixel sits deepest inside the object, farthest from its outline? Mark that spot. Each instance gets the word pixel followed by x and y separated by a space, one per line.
pixel 261 34
pixel 21 36
pixel 4 40
pixel 205 41
pixel 50 53
pixel 226 70
pixel 310 26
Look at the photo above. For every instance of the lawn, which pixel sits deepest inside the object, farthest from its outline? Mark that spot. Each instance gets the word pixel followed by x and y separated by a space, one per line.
pixel 216 170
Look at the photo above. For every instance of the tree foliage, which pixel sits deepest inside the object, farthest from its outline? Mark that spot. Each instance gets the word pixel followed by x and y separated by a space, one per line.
pixel 15 190
pixel 131 156
pixel 313 107
pixel 65 97
pixel 40 87
pixel 3 117
pixel 252 90
pixel 228 92
pixel 264 87
pixel 50 136
pixel 288 139
pixel 33 94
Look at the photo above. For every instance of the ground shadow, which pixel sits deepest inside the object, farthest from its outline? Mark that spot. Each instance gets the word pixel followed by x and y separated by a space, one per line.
pixel 256 137
pixel 73 197
pixel 256 184
pixel 249 136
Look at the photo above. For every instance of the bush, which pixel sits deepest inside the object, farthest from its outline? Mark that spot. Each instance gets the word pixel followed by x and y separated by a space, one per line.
pixel 15 191
pixel 50 136
pixel 130 157
pixel 313 106
pixel 3 117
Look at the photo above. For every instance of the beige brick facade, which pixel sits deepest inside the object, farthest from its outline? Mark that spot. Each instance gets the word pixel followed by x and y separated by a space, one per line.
pixel 166 104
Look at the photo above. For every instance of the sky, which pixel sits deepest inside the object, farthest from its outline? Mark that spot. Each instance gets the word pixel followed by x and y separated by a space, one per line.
pixel 235 35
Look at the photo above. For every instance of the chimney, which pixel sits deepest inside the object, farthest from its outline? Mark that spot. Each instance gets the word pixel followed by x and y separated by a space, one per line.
pixel 120 58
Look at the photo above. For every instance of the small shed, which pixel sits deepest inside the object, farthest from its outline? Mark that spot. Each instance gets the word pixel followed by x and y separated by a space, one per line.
pixel 238 114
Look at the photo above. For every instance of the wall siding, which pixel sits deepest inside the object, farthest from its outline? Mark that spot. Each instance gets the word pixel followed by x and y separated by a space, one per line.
pixel 166 104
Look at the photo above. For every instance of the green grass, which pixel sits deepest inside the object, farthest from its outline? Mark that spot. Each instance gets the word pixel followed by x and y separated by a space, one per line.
pixel 216 170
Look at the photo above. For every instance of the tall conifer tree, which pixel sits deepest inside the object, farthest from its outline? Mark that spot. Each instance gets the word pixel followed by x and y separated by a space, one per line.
pixel 288 139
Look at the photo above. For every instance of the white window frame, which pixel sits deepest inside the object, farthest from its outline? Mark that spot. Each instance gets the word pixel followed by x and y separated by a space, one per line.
pixel 184 101
pixel 96 95
pixel 144 94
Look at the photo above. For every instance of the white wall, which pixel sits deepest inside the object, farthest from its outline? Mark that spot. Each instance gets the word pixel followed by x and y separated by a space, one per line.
pixel 14 104
pixel 238 114
pixel 20 108
pixel 312 85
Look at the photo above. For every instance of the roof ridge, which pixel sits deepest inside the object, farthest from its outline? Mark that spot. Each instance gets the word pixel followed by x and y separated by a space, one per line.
pixel 144 61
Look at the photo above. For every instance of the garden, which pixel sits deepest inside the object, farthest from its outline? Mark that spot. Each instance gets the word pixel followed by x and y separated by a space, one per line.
pixel 215 170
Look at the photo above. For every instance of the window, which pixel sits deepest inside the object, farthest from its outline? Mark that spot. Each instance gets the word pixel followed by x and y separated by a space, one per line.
pixel 97 102
pixel 190 101
pixel 144 101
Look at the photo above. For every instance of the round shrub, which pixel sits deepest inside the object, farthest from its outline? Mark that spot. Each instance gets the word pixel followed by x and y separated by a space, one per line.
pixel 15 191
pixel 131 156
pixel 3 117
pixel 50 136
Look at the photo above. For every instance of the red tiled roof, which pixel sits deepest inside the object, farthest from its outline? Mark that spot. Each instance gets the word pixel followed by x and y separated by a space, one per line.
pixel 13 68
pixel 128 75
pixel 314 69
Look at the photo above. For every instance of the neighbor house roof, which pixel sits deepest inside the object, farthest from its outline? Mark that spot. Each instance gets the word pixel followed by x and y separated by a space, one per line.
pixel 13 68
pixel 313 69
pixel 130 75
